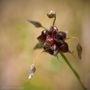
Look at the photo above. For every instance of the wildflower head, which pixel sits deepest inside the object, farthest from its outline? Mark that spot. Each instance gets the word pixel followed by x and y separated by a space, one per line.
pixel 52 40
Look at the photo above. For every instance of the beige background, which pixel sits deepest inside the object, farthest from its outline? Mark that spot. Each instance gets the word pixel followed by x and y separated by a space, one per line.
pixel 17 38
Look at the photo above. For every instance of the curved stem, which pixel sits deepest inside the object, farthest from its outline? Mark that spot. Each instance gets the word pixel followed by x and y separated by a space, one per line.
pixel 54 20
pixel 73 70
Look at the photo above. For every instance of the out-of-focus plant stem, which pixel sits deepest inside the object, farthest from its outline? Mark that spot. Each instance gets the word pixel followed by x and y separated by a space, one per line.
pixel 73 70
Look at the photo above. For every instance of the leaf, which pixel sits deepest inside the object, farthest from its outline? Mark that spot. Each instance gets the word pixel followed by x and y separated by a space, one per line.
pixel 35 23
pixel 79 50
pixel 38 46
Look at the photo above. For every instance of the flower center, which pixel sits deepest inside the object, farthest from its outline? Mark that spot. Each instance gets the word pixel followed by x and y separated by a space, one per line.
pixel 49 40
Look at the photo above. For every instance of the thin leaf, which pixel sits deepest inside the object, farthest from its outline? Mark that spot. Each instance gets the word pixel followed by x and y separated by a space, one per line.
pixel 38 46
pixel 35 23
pixel 79 50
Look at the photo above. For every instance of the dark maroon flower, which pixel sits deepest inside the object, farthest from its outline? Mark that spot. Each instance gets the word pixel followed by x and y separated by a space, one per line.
pixel 52 40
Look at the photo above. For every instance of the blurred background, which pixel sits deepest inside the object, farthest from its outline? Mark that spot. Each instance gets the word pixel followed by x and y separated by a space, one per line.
pixel 18 37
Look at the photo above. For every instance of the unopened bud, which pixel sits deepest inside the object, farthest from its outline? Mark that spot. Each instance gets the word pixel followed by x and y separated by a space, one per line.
pixel 51 14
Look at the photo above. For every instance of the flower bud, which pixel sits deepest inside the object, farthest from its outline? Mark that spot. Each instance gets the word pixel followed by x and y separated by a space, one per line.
pixel 51 14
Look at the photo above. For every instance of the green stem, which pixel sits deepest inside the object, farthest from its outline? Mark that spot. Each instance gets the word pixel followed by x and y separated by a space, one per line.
pixel 54 20
pixel 44 28
pixel 73 70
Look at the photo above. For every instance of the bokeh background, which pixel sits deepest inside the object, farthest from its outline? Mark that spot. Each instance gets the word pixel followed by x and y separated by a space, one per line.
pixel 18 37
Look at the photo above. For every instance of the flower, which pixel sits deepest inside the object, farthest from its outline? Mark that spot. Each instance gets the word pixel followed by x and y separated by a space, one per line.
pixel 53 41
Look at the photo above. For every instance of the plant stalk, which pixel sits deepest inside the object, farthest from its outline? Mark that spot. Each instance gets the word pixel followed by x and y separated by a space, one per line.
pixel 73 70
pixel 54 20
pixel 44 28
